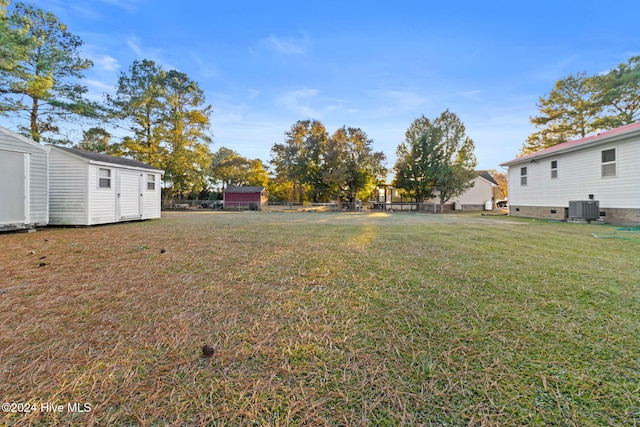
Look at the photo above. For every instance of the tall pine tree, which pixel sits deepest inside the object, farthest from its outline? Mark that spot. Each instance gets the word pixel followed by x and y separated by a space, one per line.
pixel 39 77
pixel 169 120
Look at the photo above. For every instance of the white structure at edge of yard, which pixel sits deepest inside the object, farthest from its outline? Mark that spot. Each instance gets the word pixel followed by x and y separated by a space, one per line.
pixel 23 182
pixel 603 168
pixel 87 188
pixel 480 196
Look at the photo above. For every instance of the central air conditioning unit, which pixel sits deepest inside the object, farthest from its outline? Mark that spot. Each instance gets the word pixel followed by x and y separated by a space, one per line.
pixel 584 209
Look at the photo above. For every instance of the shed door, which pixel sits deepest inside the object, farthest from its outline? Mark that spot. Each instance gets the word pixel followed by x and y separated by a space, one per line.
pixel 129 195
pixel 13 187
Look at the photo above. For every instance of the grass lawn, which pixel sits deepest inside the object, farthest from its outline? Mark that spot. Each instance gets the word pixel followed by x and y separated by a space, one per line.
pixel 351 319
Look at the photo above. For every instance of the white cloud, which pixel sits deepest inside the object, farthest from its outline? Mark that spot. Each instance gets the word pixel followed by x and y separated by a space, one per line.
pixel 126 5
pixel 99 84
pixel 311 104
pixel 204 67
pixel 293 101
pixel 133 45
pixel 396 101
pixel 106 62
pixel 470 93
pixel 560 69
pixel 153 54
pixel 287 45
pixel 226 118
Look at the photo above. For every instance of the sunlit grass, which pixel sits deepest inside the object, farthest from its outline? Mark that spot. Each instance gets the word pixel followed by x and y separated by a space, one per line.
pixel 323 319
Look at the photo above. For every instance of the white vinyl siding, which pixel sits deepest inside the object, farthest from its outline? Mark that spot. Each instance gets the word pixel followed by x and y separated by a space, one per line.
pixel 481 192
pixel 581 176
pixel 68 190
pixel 78 199
pixel 37 193
pixel 101 208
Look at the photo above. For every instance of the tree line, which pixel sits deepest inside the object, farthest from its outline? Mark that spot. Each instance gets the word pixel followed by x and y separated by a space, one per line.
pixel 313 165
pixel 165 120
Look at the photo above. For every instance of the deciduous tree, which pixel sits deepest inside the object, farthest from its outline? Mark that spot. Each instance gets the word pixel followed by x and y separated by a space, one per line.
pixel 417 160
pixel 343 165
pixel 298 160
pixel 230 168
pixel 436 158
pixel 351 168
pixel 502 190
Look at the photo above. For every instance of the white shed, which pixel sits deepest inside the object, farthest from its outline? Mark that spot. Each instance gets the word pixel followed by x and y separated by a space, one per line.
pixel 87 188
pixel 23 182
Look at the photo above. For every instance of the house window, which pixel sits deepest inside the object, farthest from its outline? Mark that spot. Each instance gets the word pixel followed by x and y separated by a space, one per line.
pixel 609 162
pixel 151 182
pixel 104 178
pixel 554 169
pixel 523 176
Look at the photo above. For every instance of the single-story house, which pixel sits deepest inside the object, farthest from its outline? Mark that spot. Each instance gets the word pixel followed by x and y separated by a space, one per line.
pixel 478 197
pixel 246 197
pixel 599 172
pixel 23 182
pixel 87 188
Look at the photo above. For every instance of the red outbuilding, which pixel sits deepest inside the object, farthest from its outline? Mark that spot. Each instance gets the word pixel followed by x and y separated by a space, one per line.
pixel 252 198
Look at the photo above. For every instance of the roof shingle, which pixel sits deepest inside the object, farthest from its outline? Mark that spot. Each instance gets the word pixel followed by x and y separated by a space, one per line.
pixel 105 158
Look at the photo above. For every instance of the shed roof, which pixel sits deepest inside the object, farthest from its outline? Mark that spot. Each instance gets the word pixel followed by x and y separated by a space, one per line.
pixel 244 189
pixel 22 138
pixel 576 144
pixel 105 158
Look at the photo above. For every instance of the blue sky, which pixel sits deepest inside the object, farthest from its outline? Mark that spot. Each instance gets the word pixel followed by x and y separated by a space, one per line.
pixel 374 65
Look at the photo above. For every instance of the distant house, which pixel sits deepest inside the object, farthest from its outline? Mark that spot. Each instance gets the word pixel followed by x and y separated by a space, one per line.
pixel 246 197
pixel 23 182
pixel 87 188
pixel 478 197
pixel 602 168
